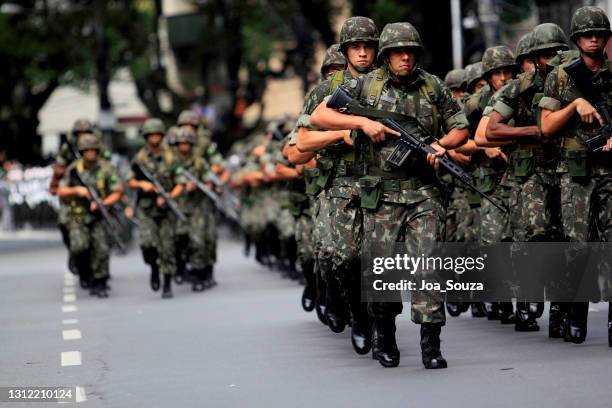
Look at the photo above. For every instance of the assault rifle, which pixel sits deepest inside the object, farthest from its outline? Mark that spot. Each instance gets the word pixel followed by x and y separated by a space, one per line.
pixel 343 102
pixel 138 168
pixel 229 213
pixel 583 78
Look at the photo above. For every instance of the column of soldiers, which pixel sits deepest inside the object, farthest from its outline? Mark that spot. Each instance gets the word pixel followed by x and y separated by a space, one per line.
pixel 170 177
pixel 518 123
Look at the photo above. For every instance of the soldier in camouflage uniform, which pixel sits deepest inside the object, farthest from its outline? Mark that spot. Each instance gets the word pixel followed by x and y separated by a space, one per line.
pixel 534 195
pixel 456 80
pixel 64 158
pixel 191 235
pixel 523 59
pixel 474 80
pixel 157 222
pixel 402 204
pixel 339 211
pixel 568 113
pixel 89 240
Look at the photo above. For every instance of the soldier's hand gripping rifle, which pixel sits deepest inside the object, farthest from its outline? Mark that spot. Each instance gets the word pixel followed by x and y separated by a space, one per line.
pixel 592 91
pixel 229 213
pixel 343 102
pixel 138 168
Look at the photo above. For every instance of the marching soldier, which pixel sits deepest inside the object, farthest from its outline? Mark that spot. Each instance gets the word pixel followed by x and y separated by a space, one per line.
pixel 402 204
pixel 569 112
pixel 88 236
pixel 157 222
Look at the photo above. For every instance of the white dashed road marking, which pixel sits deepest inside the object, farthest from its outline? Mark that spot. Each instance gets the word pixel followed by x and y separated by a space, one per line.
pixel 73 334
pixel 71 358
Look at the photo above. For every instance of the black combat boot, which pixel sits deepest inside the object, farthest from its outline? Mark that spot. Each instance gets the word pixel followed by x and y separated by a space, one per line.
pixel 181 260
pixel 198 281
pixel 167 290
pixel 576 323
pixel 477 310
pixel 492 310
pixel 610 324
pixel 453 308
pixel 310 288
pixel 384 347
pixel 150 258
pixel 155 277
pixel 321 297
pixel 556 318
pixel 430 346
pixel 506 313
pixel 525 321
pixel 102 291
pixel 361 329
pixel 209 280
pixel 336 312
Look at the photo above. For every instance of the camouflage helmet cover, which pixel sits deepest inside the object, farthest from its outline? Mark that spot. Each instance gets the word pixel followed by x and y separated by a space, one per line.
pixel 153 126
pixel 547 36
pixel 497 57
pixel 473 73
pixel 187 117
pixel 399 35
pixel 82 125
pixel 356 29
pixel 171 134
pixel 333 56
pixel 455 78
pixel 587 19
pixel 88 141
pixel 523 45
pixel 186 135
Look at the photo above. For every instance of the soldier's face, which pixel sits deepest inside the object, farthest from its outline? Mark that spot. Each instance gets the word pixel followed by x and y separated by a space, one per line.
pixel 332 68
pixel 90 155
pixel 592 42
pixel 361 55
pixel 154 139
pixel 402 61
pixel 499 77
pixel 184 147
pixel 541 59
pixel 479 85
pixel 527 65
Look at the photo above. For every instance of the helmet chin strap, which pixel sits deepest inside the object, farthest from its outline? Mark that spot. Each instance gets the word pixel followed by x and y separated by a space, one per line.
pixel 361 70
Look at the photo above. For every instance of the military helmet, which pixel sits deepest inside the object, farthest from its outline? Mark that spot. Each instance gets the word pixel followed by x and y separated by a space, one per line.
pixel 333 56
pixel 88 141
pixel 522 46
pixel 547 36
pixel 171 134
pixel 82 125
pixel 455 78
pixel 587 19
pixel 186 135
pixel 473 73
pixel 356 29
pixel 188 117
pixel 399 35
pixel 153 126
pixel 497 57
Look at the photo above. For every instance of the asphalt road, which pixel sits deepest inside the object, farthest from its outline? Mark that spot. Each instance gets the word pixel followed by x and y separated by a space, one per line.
pixel 247 343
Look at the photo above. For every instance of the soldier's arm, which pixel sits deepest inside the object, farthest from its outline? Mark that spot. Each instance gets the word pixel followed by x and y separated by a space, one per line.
pixel 502 110
pixel 284 172
pixel 295 156
pixel 67 189
pixel 310 141
pixel 481 135
pixel 143 185
pixel 116 187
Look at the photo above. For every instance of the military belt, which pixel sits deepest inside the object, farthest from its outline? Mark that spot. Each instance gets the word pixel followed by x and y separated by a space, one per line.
pixel 400 185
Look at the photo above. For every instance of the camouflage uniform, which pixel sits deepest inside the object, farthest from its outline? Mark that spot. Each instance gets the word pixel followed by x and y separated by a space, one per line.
pixel 88 236
pixel 585 177
pixel 157 225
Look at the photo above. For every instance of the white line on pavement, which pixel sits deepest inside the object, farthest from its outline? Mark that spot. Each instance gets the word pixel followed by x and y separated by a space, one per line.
pixel 71 358
pixel 69 289
pixel 69 297
pixel 69 308
pixel 70 321
pixel 73 334
pixel 80 394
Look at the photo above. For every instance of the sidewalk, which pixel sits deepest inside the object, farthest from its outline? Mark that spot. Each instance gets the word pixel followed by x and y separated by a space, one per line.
pixel 26 240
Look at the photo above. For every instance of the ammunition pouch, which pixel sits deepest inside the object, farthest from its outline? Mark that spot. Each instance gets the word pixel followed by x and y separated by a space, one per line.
pixel 371 191
pixel 577 161
pixel 310 178
pixel 523 162
pixel 325 165
pixel 486 180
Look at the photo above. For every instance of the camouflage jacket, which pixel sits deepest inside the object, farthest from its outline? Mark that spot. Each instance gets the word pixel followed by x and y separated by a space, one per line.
pixel 103 177
pixel 199 168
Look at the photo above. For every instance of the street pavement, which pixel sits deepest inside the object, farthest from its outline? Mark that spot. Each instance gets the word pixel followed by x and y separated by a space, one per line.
pixel 247 343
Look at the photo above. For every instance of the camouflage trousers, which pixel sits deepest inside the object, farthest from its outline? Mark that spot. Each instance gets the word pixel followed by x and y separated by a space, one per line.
pixel 586 213
pixel 417 224
pixel 201 250
pixel 534 204
pixel 304 227
pixel 495 224
pixel 90 242
pixel 285 223
pixel 157 233
pixel 253 216
pixel 210 231
pixel 323 248
pixel 462 221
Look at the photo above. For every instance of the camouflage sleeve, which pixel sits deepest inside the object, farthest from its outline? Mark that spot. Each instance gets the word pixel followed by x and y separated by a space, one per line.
pixel 177 174
pixel 506 99
pixel 315 97
pixel 67 179
pixel 114 181
pixel 552 99
pixel 453 115
pixel 488 110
